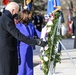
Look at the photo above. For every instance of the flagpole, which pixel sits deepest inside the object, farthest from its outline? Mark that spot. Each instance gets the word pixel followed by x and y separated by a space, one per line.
pixel 24 3
pixel 54 2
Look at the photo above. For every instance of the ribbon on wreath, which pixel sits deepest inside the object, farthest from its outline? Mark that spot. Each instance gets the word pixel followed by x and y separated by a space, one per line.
pixel 46 30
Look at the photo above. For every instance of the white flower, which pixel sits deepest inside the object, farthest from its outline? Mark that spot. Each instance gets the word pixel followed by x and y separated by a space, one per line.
pixel 46 47
pixel 49 23
pixel 46 38
pixel 52 37
pixel 45 58
pixel 43 53
pixel 52 18
pixel 56 48
pixel 41 49
pixel 49 29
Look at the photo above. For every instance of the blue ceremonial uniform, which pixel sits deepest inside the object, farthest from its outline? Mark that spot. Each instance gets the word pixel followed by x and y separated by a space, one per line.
pixel 26 51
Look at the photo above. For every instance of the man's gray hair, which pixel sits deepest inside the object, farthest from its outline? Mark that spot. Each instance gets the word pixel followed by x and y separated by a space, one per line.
pixel 12 5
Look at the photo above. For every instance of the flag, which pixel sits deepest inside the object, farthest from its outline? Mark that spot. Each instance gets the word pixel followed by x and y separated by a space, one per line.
pixel 5 2
pixel 29 4
pixel 50 5
pixel 69 22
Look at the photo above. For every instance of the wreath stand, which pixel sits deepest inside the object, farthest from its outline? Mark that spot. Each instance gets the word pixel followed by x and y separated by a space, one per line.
pixel 67 53
pixel 51 68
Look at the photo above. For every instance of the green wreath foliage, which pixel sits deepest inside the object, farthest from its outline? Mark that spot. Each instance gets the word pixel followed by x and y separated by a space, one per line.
pixel 52 42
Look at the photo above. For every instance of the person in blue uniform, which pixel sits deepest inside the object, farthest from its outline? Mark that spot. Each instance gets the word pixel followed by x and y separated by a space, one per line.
pixel 26 51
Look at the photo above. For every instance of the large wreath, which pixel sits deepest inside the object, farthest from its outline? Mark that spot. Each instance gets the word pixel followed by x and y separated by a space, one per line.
pixel 50 52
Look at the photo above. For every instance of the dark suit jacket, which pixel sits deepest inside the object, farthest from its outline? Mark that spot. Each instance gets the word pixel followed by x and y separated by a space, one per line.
pixel 74 30
pixel 74 26
pixel 8 48
pixel 38 22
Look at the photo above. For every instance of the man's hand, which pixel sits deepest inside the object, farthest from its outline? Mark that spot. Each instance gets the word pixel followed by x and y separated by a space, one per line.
pixel 41 43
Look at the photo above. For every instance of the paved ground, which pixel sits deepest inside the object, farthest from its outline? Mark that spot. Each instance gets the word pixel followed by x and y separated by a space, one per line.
pixel 66 67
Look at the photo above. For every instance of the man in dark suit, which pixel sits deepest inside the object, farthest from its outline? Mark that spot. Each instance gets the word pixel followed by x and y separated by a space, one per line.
pixel 8 42
pixel 74 29
pixel 0 13
pixel 38 21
